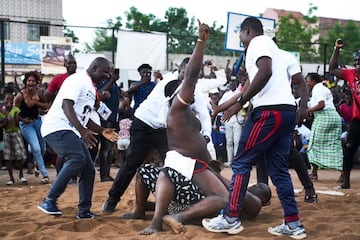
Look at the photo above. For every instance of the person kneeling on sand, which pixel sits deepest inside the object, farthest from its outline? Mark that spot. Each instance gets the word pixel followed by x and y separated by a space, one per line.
pixel 186 195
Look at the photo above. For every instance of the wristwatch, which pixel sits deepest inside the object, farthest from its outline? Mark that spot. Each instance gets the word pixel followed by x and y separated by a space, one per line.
pixel 241 101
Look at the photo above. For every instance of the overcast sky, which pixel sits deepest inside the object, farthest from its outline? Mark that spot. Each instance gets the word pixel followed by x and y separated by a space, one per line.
pixel 95 13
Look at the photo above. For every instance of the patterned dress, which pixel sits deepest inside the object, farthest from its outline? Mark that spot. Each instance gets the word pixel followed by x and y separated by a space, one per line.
pixel 325 148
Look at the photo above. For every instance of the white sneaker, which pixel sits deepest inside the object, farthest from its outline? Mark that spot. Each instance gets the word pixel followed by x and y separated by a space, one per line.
pixel 9 183
pixel 283 229
pixel 220 225
pixel 23 180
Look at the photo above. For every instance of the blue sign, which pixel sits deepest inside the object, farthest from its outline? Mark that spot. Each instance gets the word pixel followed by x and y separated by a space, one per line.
pixel 22 53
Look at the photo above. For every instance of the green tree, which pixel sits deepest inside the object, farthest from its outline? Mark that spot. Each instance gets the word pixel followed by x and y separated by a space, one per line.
pixel 350 33
pixel 138 21
pixel 296 35
pixel 181 30
pixel 104 37
pixel 216 41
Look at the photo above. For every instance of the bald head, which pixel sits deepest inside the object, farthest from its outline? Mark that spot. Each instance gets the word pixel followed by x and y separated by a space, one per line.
pixel 70 64
pixel 100 69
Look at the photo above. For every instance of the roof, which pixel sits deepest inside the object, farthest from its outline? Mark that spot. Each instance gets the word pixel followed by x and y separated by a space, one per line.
pixel 282 12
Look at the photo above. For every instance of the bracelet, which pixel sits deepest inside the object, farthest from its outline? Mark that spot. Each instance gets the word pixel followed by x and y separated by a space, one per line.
pixel 182 100
pixel 200 40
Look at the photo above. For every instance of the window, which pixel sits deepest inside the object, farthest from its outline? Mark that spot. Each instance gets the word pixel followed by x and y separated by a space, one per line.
pixel 7 28
pixel 37 29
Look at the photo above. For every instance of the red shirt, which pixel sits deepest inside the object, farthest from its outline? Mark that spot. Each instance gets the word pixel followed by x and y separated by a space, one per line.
pixel 346 111
pixel 353 80
pixel 56 82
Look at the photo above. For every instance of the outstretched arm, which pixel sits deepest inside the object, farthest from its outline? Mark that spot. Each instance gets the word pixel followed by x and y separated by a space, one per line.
pixel 334 60
pixel 186 93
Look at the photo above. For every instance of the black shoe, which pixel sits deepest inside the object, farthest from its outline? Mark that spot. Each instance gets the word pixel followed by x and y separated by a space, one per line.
pixel 86 215
pixel 107 179
pixel 310 198
pixel 109 206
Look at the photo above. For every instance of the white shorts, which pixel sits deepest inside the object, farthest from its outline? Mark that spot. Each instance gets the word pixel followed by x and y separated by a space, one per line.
pixel 182 164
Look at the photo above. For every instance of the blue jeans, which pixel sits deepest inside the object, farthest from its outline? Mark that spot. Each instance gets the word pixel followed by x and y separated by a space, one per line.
pixel 31 133
pixel 78 162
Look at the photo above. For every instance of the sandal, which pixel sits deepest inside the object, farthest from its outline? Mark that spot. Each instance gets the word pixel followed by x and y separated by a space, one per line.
pixel 45 180
pixel 9 183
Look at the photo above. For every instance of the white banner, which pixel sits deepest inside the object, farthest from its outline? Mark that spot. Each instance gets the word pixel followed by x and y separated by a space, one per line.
pixel 136 48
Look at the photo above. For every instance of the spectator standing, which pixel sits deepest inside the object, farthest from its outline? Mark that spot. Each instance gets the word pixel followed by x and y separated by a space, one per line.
pixel 324 149
pixel 233 127
pixel 352 77
pixel 218 129
pixel 55 84
pixel 14 149
pixel 124 134
pixel 142 88
pixel 345 110
pixel 106 155
pixel 29 103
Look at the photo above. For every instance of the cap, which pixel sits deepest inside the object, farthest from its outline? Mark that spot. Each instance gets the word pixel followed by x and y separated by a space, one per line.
pixel 214 90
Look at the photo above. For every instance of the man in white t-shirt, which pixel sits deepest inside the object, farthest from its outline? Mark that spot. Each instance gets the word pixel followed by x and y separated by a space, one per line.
pixel 267 131
pixel 69 128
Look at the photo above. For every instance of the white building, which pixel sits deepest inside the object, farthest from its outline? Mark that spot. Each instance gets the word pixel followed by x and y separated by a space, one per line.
pixel 25 21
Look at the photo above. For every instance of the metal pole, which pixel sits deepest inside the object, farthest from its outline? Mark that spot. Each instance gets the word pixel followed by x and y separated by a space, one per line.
pixel 2 36
pixel 167 51
pixel 113 45
pixel 325 57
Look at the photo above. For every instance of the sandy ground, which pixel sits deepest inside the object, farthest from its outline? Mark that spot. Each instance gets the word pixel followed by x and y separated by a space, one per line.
pixel 333 217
